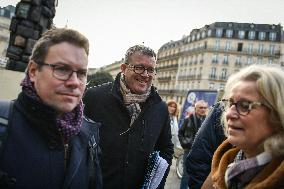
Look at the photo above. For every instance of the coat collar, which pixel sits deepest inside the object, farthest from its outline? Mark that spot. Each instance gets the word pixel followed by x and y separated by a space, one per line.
pixel 270 177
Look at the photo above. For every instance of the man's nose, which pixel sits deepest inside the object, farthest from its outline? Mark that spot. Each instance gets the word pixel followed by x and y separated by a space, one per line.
pixel 73 78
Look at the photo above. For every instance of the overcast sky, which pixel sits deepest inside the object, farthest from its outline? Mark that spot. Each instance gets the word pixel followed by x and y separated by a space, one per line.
pixel 112 26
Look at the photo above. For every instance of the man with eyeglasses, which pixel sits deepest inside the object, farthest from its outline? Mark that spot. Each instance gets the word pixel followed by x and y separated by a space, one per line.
pixel 187 134
pixel 135 121
pixel 47 141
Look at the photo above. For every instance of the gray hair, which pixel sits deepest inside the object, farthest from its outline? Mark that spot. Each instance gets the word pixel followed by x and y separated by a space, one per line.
pixel 140 49
pixel 269 82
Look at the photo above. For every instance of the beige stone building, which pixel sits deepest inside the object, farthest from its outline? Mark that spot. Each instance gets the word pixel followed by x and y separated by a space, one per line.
pixel 6 14
pixel 113 68
pixel 207 56
pixel 10 84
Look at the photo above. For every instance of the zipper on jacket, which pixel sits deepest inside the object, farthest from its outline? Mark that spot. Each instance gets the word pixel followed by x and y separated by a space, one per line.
pixel 65 155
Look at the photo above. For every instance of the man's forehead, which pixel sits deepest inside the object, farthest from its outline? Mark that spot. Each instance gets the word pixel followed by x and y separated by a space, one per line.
pixel 140 56
pixel 71 56
pixel 201 104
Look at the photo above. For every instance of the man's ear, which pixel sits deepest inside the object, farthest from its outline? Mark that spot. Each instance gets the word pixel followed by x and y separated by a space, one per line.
pixel 32 70
pixel 123 67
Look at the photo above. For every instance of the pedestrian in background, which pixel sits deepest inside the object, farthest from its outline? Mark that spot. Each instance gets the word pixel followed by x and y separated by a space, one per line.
pixel 135 121
pixel 187 134
pixel 252 156
pixel 173 109
pixel 47 141
pixel 208 138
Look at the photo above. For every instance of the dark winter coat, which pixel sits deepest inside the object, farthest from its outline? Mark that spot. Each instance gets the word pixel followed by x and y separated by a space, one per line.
pixel 33 152
pixel 125 149
pixel 188 130
pixel 208 138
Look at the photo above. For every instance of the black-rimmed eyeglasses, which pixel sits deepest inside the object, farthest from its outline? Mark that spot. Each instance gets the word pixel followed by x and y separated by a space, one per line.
pixel 243 107
pixel 139 69
pixel 64 72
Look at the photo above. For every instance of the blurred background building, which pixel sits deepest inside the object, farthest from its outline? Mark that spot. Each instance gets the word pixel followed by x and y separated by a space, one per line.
pixel 200 60
pixel 6 14
pixel 207 56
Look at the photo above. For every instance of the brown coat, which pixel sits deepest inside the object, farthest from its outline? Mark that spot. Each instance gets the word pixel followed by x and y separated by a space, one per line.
pixel 270 177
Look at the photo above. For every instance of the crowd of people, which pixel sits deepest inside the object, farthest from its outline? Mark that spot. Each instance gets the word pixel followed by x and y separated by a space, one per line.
pixel 58 134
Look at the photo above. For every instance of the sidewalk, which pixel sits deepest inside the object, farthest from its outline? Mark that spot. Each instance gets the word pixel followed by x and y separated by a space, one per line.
pixel 173 181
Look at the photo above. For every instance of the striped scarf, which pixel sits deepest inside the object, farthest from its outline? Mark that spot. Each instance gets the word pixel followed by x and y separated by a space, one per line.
pixel 132 101
pixel 241 171
pixel 68 124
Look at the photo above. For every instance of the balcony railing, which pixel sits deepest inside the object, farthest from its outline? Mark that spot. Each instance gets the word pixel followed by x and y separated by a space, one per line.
pixel 172 91
pixel 222 49
pixel 164 79
pixel 172 66
pixel 212 76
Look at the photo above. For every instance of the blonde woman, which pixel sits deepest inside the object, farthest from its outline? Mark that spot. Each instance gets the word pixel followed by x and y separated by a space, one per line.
pixel 253 154
pixel 173 112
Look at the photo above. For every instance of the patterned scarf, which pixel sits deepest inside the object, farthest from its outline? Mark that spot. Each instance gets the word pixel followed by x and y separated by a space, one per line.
pixel 241 171
pixel 132 101
pixel 68 124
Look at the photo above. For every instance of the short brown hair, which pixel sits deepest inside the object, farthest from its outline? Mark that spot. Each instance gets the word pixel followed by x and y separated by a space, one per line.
pixel 56 36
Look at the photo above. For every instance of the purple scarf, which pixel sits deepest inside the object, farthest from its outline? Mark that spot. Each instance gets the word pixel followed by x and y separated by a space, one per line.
pixel 68 124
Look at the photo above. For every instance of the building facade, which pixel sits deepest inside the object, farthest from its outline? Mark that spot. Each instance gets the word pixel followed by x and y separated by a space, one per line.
pixel 113 69
pixel 6 14
pixel 207 56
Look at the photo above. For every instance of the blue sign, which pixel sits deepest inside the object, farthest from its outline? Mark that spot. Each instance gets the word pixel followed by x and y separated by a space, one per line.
pixel 193 96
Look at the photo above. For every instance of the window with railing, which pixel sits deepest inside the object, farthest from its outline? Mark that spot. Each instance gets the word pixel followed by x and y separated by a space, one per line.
pixel 272 36
pixel 203 34
pixel 201 59
pixel 209 33
pixel 229 33
pixel 212 74
pixel 261 35
pixel 251 35
pixel 259 60
pixel 228 45
pixel 260 48
pixel 271 49
pixel 215 58
pixel 219 32
pixel 241 34
pixel 217 45
pixel 249 60
pixel 226 59
pixel 189 72
pixel 198 36
pixel 250 48
pixel 200 72
pixel 223 74
pixel 238 61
